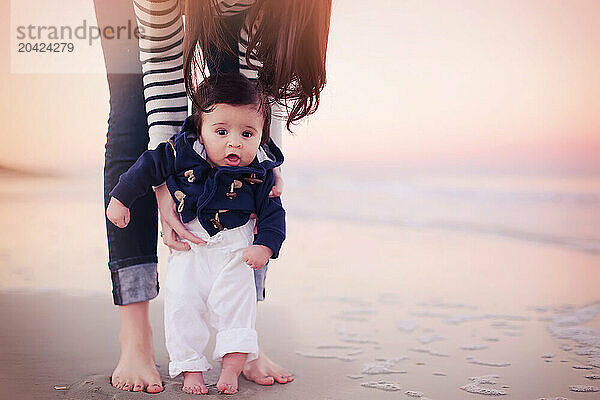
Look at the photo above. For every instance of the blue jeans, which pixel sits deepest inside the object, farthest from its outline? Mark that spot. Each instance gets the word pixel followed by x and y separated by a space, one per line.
pixel 132 250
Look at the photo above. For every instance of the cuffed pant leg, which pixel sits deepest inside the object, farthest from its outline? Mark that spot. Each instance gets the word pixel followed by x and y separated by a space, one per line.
pixel 186 332
pixel 134 283
pixel 232 305
pixel 236 340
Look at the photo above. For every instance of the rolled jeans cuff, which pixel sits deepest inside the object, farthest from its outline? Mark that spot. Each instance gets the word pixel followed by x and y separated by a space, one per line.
pixel 135 283
pixel 239 340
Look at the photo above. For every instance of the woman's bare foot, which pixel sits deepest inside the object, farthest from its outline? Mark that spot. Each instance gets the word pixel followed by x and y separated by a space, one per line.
pixel 136 369
pixel 193 383
pixel 265 372
pixel 232 367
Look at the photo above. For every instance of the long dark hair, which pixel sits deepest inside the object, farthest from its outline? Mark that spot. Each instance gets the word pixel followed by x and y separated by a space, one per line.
pixel 289 38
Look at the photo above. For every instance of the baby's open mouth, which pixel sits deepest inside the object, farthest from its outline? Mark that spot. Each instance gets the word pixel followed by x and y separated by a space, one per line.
pixel 233 159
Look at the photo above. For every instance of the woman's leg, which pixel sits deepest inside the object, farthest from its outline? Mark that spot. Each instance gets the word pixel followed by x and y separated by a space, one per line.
pixel 136 369
pixel 132 251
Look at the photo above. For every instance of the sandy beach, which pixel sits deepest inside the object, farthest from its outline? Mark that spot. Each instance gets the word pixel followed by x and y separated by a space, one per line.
pixel 355 310
pixel 443 206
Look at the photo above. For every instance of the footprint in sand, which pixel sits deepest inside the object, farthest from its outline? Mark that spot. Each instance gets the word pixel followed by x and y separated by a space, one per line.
pixel 584 388
pixel 414 393
pixel 382 385
pixel 487 363
pixel 476 388
pixel 430 352
pixel 325 356
pixel 381 368
pixel 430 338
pixel 473 347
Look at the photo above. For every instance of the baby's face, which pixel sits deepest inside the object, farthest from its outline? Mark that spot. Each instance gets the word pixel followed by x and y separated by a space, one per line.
pixel 231 134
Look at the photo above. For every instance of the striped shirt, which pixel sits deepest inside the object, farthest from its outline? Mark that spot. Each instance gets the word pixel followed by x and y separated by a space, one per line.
pixel 161 54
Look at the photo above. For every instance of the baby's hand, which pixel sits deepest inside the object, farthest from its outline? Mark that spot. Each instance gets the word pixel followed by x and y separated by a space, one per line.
pixel 117 213
pixel 256 256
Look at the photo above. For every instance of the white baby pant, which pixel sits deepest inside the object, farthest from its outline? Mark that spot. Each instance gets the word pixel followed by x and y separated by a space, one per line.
pixel 210 284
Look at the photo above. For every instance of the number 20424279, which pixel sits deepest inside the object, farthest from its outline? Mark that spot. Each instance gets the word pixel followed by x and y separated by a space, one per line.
pixel 46 47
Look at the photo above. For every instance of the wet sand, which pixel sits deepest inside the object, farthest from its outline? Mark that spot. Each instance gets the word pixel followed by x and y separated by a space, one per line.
pixel 355 311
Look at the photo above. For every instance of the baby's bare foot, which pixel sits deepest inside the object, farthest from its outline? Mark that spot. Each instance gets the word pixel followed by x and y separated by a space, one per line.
pixel 228 382
pixel 264 371
pixel 193 383
pixel 232 367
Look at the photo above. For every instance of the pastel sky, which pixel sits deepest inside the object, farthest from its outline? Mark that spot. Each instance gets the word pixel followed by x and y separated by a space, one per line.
pixel 501 83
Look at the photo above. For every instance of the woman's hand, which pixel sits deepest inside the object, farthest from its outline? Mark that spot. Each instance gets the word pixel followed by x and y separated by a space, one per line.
pixel 173 229
pixel 277 189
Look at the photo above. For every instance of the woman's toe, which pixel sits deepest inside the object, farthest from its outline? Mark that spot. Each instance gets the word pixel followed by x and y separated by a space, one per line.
pixel 138 386
pixel 223 388
pixel 229 389
pixel 265 380
pixel 154 388
pixel 201 389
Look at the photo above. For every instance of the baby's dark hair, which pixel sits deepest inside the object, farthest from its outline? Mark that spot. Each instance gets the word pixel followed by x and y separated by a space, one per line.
pixel 234 89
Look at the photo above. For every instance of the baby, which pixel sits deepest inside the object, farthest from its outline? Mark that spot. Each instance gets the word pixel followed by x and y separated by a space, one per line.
pixel 218 175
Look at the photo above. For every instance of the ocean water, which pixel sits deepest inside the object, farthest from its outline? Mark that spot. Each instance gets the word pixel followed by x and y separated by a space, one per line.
pixel 552 210
pixel 54 235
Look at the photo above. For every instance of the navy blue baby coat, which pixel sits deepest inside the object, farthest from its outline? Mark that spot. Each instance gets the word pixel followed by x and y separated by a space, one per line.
pixel 221 197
